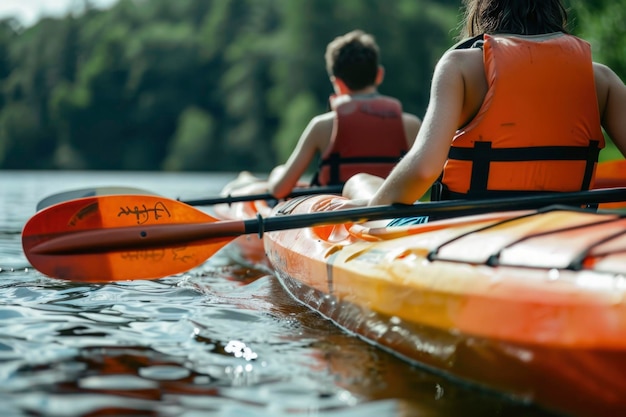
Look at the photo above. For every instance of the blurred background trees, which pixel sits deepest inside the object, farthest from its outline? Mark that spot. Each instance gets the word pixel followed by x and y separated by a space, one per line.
pixel 214 84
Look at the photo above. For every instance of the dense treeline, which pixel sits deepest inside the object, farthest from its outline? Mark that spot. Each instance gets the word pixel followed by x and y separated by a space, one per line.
pixel 212 84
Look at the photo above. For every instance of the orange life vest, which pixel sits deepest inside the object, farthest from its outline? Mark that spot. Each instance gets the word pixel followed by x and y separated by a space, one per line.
pixel 368 137
pixel 538 129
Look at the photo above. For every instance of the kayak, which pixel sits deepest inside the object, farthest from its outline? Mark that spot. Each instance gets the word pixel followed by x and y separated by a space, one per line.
pixel 610 174
pixel 249 250
pixel 246 249
pixel 530 304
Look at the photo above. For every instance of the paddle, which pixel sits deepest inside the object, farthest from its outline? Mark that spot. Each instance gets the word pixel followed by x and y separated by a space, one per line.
pixel 123 237
pixel 609 174
pixel 87 192
pixel 100 191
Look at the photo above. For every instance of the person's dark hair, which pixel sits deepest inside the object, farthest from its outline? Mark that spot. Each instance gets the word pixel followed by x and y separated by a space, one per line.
pixel 520 17
pixel 353 58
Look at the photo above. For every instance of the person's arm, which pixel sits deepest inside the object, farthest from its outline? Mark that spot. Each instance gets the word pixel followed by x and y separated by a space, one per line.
pixel 612 104
pixel 417 171
pixel 283 178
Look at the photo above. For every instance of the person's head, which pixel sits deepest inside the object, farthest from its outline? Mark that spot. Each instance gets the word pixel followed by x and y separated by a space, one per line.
pixel 520 17
pixel 353 59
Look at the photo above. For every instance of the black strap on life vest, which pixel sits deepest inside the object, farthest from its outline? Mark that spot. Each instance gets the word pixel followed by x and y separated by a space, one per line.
pixel 473 42
pixel 334 161
pixel 482 154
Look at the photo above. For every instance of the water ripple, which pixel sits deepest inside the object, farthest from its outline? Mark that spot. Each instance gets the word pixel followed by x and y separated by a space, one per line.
pixel 221 340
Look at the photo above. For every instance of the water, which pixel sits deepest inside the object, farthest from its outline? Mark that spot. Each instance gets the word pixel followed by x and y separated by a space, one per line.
pixel 221 340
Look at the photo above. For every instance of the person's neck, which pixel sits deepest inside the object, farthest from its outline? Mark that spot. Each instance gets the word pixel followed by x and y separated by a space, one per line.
pixel 368 91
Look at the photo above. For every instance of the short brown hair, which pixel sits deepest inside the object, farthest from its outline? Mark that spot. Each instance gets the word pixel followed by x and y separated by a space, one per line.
pixel 353 58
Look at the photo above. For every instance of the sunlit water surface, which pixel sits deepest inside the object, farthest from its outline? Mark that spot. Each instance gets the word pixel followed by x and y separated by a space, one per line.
pixel 220 340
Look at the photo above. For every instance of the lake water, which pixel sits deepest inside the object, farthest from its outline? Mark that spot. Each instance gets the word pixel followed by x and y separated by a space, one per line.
pixel 221 340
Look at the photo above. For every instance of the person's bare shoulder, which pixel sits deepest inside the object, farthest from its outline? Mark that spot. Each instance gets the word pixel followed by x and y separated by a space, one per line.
pixel 605 80
pixel 320 130
pixel 467 63
pixel 323 118
pixel 411 120
pixel 472 57
pixel 601 69
pixel 466 68
pixel 323 122
pixel 412 125
pixel 604 76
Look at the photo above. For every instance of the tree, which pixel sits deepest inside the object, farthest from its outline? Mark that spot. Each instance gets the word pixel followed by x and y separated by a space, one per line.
pixel 190 84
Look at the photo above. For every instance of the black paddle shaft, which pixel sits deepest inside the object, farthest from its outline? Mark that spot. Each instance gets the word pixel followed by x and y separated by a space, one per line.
pixel 297 192
pixel 442 209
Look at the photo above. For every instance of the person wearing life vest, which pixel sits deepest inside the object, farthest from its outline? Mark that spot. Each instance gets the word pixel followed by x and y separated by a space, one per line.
pixel 512 148
pixel 363 131
pixel 516 108
pixel 368 136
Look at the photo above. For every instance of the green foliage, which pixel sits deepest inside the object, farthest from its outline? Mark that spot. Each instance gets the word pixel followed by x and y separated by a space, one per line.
pixel 192 141
pixel 194 84
pixel 214 84
pixel 19 135
pixel 297 115
pixel 601 22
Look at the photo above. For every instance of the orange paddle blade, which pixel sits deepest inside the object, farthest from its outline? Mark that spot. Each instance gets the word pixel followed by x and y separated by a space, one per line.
pixel 122 237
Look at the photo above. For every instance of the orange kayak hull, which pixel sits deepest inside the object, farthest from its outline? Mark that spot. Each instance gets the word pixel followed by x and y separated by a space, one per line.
pixel 245 249
pixel 503 301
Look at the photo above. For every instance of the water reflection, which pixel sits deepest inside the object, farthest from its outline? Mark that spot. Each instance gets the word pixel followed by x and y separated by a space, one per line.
pixel 222 339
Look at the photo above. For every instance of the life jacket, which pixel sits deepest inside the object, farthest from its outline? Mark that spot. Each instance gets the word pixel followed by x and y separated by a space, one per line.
pixel 368 137
pixel 538 129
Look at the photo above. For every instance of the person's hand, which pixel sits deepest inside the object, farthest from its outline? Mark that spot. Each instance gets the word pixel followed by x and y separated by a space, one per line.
pixel 341 204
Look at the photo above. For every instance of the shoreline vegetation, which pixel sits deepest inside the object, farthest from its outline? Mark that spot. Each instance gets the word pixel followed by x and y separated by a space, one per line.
pixel 215 85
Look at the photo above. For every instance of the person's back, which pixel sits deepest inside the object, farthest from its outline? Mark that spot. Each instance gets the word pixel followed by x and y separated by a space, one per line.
pixel 533 131
pixel 368 136
pixel 364 131
pixel 463 90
